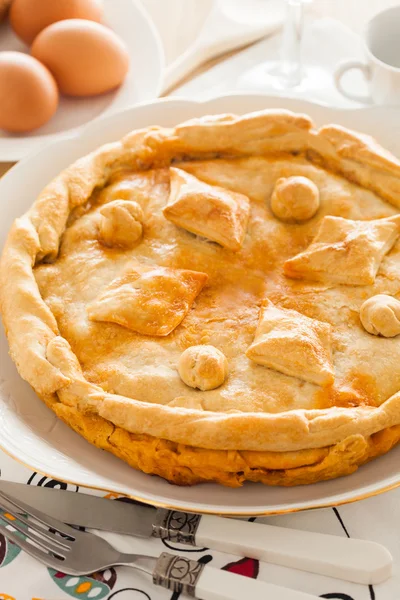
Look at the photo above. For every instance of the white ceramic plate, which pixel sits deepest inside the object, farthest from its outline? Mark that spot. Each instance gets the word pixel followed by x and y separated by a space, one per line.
pixel 143 83
pixel 33 435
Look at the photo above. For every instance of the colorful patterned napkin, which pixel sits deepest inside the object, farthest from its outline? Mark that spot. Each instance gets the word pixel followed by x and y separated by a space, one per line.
pixel 375 519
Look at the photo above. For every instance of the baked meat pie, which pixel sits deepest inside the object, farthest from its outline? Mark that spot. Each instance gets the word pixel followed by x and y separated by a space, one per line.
pixel 218 301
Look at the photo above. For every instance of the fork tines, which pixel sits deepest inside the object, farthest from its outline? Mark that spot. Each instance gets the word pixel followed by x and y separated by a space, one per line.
pixel 49 546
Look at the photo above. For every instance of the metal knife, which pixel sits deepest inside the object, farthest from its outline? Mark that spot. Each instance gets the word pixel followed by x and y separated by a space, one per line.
pixel 353 560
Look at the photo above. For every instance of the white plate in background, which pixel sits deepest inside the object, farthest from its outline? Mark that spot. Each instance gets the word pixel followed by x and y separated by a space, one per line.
pixel 32 434
pixel 143 83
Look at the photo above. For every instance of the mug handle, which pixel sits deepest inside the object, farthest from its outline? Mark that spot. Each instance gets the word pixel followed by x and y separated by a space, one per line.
pixel 341 70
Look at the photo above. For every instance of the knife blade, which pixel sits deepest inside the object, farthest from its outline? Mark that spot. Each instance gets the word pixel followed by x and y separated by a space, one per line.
pixel 85 510
pixel 353 560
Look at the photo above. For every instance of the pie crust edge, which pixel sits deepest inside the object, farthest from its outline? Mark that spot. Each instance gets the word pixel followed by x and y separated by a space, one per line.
pixel 187 465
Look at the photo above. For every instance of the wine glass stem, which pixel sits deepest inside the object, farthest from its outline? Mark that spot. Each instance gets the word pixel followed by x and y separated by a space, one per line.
pixel 291 65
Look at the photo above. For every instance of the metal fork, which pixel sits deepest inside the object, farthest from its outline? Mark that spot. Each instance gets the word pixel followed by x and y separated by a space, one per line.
pixel 80 553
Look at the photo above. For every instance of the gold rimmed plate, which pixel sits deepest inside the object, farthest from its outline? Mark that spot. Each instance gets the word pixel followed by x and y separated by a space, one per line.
pixel 33 435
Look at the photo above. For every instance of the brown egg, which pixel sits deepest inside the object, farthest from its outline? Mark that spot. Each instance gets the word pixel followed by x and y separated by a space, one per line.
pixel 85 58
pixel 28 92
pixel 29 17
pixel 4 6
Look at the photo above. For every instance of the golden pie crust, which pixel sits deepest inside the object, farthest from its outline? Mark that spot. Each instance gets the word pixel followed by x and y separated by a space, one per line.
pixel 165 241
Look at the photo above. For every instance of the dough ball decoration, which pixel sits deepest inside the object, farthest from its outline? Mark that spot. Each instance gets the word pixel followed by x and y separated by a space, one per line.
pixel 380 315
pixel 203 367
pixel 121 223
pixel 295 199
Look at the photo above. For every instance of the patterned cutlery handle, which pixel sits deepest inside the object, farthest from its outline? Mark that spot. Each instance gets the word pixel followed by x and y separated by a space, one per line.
pixel 354 560
pixel 180 574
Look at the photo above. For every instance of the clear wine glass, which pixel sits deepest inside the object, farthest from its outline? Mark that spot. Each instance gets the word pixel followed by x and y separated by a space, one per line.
pixel 288 74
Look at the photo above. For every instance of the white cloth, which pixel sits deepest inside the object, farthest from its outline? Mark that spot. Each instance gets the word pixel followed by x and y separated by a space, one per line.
pixel 178 22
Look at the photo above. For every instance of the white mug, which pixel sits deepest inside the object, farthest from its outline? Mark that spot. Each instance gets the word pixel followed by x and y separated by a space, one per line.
pixel 382 67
